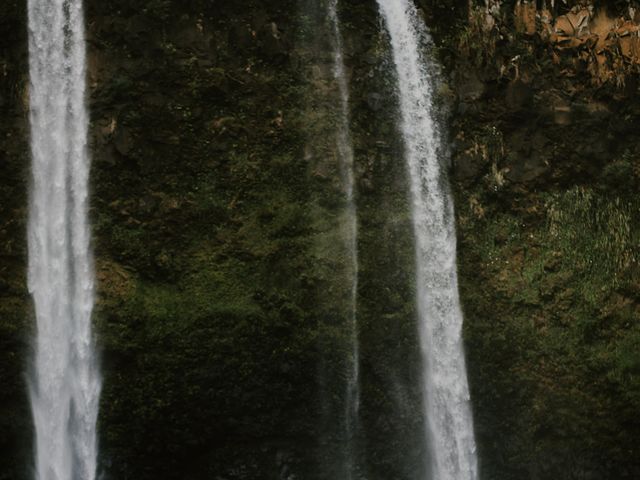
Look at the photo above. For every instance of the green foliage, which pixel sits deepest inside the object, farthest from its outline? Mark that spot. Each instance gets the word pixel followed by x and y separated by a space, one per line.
pixel 595 234
pixel 161 10
pixel 549 301
pixel 223 305
pixel 620 176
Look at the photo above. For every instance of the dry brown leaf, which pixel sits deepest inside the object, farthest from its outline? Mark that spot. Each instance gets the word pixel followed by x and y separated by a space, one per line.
pixel 525 17
pixel 601 25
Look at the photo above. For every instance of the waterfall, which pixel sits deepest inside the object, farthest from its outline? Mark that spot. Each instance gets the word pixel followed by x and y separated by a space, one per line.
pixel 65 385
pixel 449 423
pixel 345 152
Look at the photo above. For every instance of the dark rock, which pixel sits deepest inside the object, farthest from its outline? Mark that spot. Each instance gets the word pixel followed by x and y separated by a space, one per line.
pixel 562 114
pixel 259 18
pixel 105 156
pixel 375 101
pixel 140 26
pixel 539 141
pixel 147 204
pixel 519 95
pixel 470 87
pixel 189 35
pixel 213 48
pixel 525 169
pixel 272 43
pixel 204 63
pixel 123 141
pixel 153 99
pixel 468 164
pixel 218 84
pixel 467 167
pixel 370 58
pixel 240 38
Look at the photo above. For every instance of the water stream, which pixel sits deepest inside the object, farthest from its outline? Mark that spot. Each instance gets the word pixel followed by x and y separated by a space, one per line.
pixel 65 383
pixel 350 232
pixel 449 423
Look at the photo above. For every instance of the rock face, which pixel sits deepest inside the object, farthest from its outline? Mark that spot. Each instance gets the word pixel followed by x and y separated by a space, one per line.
pixel 540 260
pixel 214 205
pixel 15 421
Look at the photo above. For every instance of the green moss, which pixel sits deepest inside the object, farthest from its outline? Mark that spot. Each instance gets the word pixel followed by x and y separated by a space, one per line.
pixel 224 298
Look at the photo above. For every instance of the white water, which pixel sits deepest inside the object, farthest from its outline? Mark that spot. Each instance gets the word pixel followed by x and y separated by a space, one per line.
pixel 65 386
pixel 449 423
pixel 345 152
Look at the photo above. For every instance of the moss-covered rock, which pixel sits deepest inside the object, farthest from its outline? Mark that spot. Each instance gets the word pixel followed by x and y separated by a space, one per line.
pixel 223 291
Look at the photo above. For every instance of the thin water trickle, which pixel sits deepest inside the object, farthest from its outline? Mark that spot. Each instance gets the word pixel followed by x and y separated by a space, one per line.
pixel 65 384
pixel 350 227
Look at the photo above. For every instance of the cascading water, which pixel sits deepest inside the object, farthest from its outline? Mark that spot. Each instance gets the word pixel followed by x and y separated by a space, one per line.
pixel 345 152
pixel 65 386
pixel 446 393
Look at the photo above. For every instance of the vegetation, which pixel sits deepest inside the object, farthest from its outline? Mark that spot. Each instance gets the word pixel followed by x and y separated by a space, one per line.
pixel 217 210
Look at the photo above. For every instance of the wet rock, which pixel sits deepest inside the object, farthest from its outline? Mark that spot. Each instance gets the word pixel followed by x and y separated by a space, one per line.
pixel 218 84
pixel 137 68
pixel 597 110
pixel 322 72
pixel 374 101
pixel 94 68
pixel 240 38
pixel 104 128
pixel 526 169
pixel 140 26
pixel 147 204
pixel 519 95
pixel 105 156
pixel 189 35
pixel 123 141
pixel 213 49
pixel 272 42
pixel 562 114
pixel 153 99
pixel 470 87
pixel 469 164
pixel 370 58
pixel 467 168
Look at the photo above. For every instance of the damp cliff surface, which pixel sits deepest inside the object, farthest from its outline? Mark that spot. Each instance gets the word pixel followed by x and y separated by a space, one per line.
pixel 222 293
pixel 15 326
pixel 545 167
